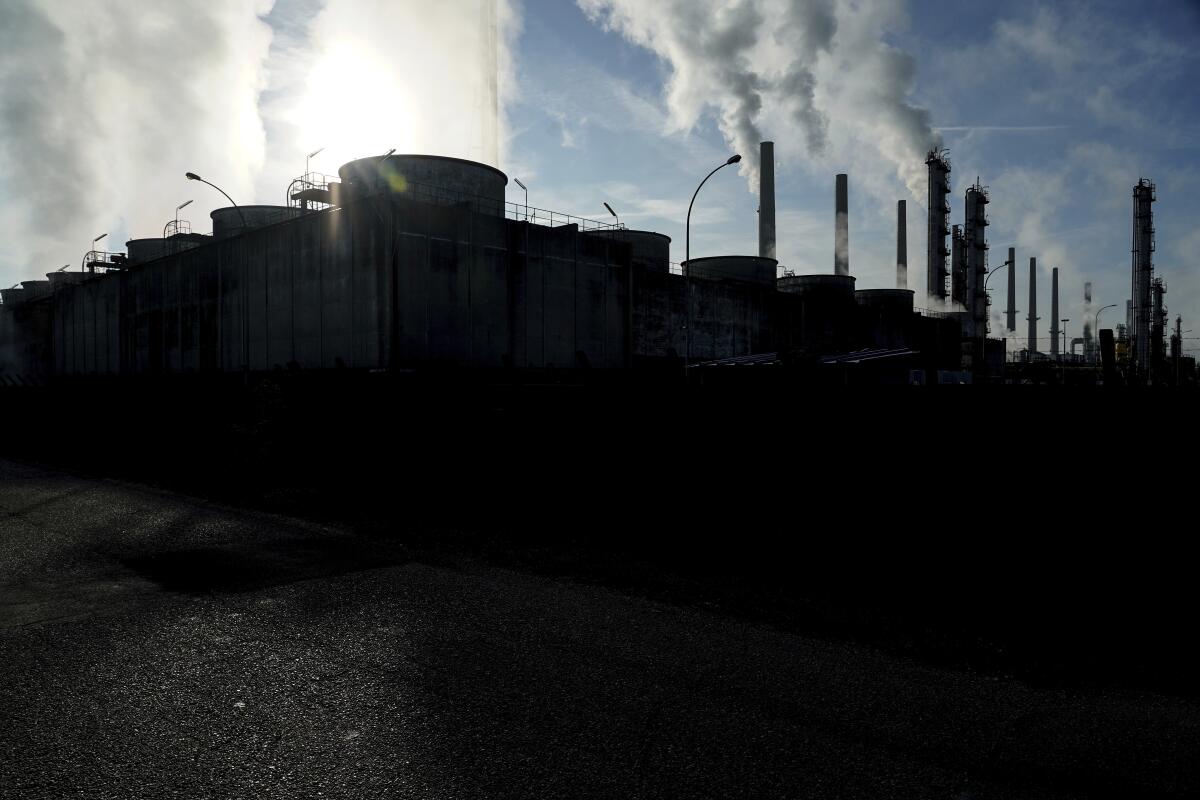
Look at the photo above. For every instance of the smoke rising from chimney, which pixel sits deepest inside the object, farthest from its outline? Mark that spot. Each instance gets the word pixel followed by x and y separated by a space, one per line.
pixel 819 69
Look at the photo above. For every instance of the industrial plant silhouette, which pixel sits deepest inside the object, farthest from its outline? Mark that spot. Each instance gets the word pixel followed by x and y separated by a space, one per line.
pixel 414 264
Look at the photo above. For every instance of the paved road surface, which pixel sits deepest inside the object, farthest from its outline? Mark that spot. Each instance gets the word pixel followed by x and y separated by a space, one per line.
pixel 158 646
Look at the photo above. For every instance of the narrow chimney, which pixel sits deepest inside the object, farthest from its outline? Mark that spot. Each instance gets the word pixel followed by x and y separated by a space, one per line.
pixel 766 201
pixel 902 245
pixel 841 253
pixel 1012 290
pixel 1033 317
pixel 1054 312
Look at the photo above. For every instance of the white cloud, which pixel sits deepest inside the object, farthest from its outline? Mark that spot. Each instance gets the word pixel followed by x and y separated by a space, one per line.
pixel 103 107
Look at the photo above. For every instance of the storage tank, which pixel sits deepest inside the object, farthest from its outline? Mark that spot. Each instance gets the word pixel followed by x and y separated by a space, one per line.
pixel 885 316
pixel 651 251
pixel 822 311
pixel 142 250
pixel 10 297
pixel 35 289
pixel 430 179
pixel 229 222
pixel 745 269
pixel 58 279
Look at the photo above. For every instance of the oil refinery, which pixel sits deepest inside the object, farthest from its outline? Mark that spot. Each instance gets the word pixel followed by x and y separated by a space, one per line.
pixel 420 264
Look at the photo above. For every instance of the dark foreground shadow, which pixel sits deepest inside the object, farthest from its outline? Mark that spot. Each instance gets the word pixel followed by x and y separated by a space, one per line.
pixel 241 568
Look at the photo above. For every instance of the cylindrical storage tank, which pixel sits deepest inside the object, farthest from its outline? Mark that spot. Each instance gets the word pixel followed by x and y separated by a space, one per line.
pixel 35 289
pixel 745 269
pixel 236 220
pixel 430 179
pixel 651 251
pixel 823 314
pixel 10 297
pixel 142 250
pixel 885 316
pixel 58 279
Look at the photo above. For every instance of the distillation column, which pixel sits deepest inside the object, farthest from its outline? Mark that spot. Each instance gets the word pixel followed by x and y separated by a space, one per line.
pixel 939 223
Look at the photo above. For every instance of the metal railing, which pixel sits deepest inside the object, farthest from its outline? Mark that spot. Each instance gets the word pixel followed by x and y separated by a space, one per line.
pixel 306 182
pixel 176 227
pixel 97 259
pixel 440 195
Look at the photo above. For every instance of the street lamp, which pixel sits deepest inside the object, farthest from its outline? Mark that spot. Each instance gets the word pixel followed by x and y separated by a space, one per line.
pixel 526 188
pixel 179 208
pixel 687 264
pixel 91 251
pixel 1097 331
pixel 310 157
pixel 988 322
pixel 610 210
pixel 191 176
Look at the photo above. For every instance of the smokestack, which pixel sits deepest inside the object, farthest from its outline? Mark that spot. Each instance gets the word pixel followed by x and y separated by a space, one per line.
pixel 902 245
pixel 1033 317
pixel 1054 312
pixel 841 253
pixel 766 201
pixel 1012 290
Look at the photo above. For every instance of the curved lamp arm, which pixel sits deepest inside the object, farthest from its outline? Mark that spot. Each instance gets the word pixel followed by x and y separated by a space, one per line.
pixel 191 176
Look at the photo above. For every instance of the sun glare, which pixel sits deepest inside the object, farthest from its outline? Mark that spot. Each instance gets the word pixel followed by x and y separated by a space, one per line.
pixel 356 105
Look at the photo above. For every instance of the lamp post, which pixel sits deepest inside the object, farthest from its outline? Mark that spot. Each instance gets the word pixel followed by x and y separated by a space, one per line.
pixel 179 208
pixel 526 188
pixel 687 264
pixel 988 277
pixel 309 158
pixel 91 251
pixel 610 210
pixel 1064 335
pixel 1097 331
pixel 1098 313
pixel 191 176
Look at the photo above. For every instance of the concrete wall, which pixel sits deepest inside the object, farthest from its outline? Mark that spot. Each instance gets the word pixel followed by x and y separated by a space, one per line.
pixel 729 319
pixel 25 355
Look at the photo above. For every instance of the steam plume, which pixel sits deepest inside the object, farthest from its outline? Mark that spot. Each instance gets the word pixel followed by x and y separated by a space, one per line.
pixel 819 68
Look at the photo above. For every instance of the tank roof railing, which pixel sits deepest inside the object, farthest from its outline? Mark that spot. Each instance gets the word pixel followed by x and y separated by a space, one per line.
pixel 306 182
pixel 440 195
pixel 176 227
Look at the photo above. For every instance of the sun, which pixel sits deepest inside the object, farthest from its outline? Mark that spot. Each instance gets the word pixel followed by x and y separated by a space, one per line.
pixel 356 105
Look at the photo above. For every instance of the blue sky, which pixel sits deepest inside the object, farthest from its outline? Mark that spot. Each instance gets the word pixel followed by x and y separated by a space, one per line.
pixel 1057 107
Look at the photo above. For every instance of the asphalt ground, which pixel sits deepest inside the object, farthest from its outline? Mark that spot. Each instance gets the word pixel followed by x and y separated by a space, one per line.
pixel 158 644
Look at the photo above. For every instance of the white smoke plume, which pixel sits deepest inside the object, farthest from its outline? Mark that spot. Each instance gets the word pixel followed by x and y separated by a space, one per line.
pixel 816 72
pixel 412 75
pixel 104 106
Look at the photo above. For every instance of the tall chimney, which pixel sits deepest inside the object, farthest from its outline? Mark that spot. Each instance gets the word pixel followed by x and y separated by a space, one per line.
pixel 766 201
pixel 1054 312
pixel 841 252
pixel 902 245
pixel 1012 290
pixel 1033 317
